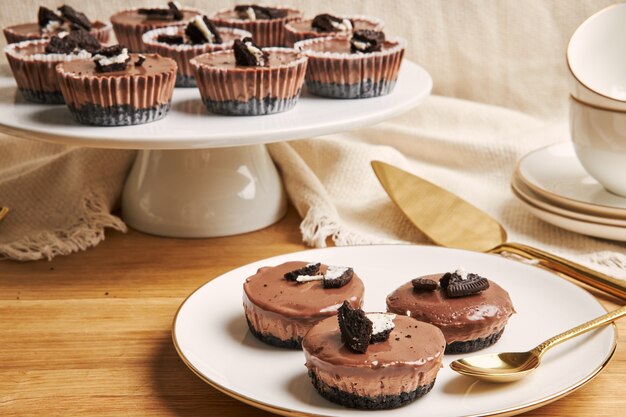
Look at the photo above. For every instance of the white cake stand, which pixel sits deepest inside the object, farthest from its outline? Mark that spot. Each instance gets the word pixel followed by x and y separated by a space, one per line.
pixel 199 174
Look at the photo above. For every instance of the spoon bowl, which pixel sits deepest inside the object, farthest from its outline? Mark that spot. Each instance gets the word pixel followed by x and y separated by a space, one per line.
pixel 511 366
pixel 498 367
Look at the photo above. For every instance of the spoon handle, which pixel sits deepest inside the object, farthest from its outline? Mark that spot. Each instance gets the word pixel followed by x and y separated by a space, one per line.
pixel 573 270
pixel 578 330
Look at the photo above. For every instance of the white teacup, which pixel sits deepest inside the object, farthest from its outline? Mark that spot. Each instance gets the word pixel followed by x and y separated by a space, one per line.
pixel 599 137
pixel 596 59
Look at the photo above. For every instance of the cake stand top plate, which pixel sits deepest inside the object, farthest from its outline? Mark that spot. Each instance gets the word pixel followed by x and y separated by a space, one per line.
pixel 189 125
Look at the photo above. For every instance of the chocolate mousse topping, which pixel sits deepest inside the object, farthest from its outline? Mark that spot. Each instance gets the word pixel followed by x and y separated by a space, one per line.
pixel 424 284
pixel 75 41
pixel 200 30
pixel 75 17
pixel 329 23
pixel 300 305
pixel 254 12
pixel 460 318
pixel 307 270
pixel 45 16
pixel 172 12
pixel 461 284
pixel 111 58
pixel 355 327
pixel 364 41
pixel 249 54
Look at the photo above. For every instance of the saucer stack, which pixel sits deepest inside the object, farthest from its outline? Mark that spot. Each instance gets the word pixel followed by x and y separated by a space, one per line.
pixel 555 187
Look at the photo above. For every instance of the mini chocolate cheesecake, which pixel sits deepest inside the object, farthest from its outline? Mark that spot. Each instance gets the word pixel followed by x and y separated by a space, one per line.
pixel 33 63
pixel 470 310
pixel 362 65
pixel 373 360
pixel 116 88
pixel 184 42
pixel 326 24
pixel 283 302
pixel 266 24
pixel 50 23
pixel 130 24
pixel 249 80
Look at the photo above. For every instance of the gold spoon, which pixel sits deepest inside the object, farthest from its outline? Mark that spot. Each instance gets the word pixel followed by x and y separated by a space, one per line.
pixel 511 366
pixel 452 222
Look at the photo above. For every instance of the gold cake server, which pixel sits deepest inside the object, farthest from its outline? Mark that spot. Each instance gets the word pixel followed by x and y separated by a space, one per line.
pixel 452 222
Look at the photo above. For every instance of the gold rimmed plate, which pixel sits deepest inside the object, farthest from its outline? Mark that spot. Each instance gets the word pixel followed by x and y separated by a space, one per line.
pixel 211 336
pixel 523 192
pixel 555 173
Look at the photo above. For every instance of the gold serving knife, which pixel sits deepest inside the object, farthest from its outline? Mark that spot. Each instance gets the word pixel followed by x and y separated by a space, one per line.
pixel 452 222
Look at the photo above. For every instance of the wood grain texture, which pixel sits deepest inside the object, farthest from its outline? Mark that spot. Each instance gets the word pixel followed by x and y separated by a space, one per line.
pixel 89 334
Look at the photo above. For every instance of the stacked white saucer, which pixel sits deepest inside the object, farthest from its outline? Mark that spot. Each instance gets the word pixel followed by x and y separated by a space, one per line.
pixel 554 186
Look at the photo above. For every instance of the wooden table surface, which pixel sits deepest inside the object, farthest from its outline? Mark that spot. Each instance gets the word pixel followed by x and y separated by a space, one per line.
pixel 89 334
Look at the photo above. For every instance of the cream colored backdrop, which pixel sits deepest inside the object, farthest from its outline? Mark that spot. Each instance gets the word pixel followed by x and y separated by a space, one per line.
pixel 504 52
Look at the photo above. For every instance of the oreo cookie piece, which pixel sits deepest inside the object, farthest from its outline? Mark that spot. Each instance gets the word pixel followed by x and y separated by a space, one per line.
pixel 249 54
pixel 307 270
pixel 75 17
pixel 75 41
pixel 111 58
pixel 364 41
pixel 337 276
pixel 60 45
pixel 171 39
pixel 177 14
pixel 382 325
pixel 172 12
pixel 84 40
pixel 329 23
pixel 355 327
pixel 45 16
pixel 200 30
pixel 459 283
pixel 448 277
pixel 473 284
pixel 140 60
pixel 156 13
pixel 424 284
pixel 253 12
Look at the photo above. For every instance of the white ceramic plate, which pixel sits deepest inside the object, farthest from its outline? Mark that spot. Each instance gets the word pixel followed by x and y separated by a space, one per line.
pixel 190 125
pixel 524 193
pixel 604 231
pixel 211 335
pixel 556 174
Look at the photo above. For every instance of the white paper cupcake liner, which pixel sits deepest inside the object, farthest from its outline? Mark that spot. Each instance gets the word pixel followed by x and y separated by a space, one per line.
pixel 262 90
pixel 35 73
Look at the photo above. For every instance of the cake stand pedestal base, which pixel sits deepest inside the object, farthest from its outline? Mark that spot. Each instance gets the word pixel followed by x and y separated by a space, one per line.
pixel 203 192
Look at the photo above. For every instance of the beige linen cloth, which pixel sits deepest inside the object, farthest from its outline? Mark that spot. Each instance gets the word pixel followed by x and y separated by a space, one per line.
pixel 499 92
